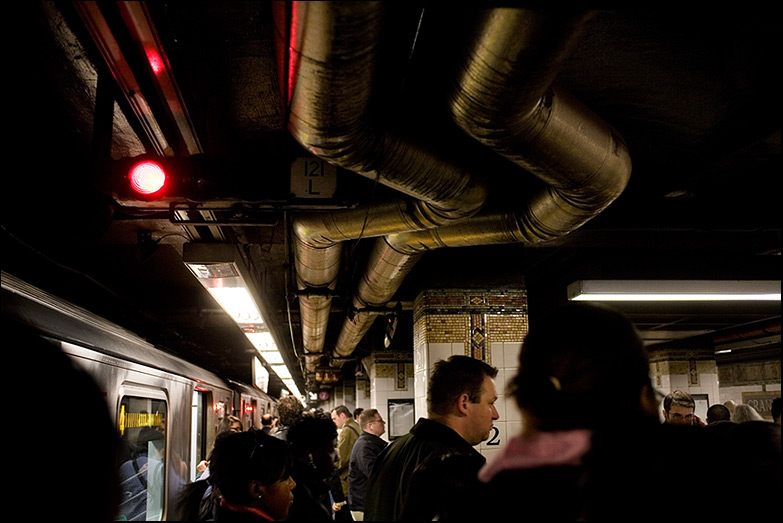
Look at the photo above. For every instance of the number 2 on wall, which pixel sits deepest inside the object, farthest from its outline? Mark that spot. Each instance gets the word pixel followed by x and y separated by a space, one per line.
pixel 494 438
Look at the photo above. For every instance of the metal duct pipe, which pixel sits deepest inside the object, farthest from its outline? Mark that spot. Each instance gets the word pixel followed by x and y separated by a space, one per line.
pixel 504 101
pixel 334 51
pixel 317 251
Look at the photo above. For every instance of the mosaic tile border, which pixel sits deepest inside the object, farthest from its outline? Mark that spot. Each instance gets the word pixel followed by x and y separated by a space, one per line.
pixel 475 318
pixel 460 301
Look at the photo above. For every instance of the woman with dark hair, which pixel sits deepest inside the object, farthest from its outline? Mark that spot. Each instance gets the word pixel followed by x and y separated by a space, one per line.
pixel 250 473
pixel 313 441
pixel 582 369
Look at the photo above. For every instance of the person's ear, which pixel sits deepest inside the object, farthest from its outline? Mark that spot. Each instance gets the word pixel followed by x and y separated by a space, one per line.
pixel 463 403
pixel 256 489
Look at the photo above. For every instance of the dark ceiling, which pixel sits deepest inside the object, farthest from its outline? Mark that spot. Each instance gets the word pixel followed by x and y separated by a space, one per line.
pixel 694 94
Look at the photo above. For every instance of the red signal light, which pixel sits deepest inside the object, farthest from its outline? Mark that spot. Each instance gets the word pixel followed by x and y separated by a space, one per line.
pixel 147 177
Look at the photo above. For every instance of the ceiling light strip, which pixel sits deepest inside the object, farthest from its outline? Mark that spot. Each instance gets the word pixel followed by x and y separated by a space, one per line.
pixel 674 290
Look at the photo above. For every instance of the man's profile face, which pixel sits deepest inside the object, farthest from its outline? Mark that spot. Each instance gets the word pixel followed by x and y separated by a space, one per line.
pixel 679 415
pixel 339 419
pixel 377 426
pixel 483 413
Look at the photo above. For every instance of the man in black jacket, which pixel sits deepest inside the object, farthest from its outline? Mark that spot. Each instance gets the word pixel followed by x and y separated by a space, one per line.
pixel 461 409
pixel 363 456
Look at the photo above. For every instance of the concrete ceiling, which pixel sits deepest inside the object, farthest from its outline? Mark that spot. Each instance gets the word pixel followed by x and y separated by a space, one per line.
pixel 695 95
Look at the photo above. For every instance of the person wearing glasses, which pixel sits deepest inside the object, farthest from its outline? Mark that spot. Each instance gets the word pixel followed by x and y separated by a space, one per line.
pixel 678 409
pixel 365 452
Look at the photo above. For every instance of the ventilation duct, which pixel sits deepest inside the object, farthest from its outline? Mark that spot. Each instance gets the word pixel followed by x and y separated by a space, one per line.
pixel 504 100
pixel 334 55
pixel 503 97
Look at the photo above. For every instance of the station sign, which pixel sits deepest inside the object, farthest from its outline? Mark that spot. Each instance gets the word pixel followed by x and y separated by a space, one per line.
pixel 313 177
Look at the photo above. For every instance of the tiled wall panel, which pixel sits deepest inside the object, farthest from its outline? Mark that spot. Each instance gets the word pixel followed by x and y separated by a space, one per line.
pixel 488 325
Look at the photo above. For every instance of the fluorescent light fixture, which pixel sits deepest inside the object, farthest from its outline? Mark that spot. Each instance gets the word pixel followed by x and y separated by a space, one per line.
pixel 266 347
pixel 236 301
pixel 674 290
pixel 221 269
pixel 282 371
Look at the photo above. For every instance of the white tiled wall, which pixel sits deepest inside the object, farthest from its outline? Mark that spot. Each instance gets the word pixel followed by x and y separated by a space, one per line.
pixel 504 358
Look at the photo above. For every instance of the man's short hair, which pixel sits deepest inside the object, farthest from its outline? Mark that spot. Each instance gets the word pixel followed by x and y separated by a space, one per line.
pixel 678 397
pixel 342 409
pixel 367 416
pixel 718 412
pixel 453 377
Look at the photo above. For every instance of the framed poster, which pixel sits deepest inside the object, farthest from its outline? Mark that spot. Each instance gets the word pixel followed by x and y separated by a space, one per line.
pixel 702 404
pixel 401 417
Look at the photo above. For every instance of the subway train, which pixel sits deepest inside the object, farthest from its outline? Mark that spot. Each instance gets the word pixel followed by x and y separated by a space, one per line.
pixel 166 410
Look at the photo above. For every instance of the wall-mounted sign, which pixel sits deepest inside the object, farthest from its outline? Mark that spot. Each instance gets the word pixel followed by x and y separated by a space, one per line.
pixel 313 178
pixel 761 401
pixel 260 375
pixel 323 395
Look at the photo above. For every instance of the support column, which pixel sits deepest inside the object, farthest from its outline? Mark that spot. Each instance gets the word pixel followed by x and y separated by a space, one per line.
pixel 363 394
pixel 391 386
pixel 489 325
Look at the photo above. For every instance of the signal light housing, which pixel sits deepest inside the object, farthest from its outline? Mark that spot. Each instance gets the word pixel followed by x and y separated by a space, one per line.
pixel 158 182
pixel 147 177
pixel 143 181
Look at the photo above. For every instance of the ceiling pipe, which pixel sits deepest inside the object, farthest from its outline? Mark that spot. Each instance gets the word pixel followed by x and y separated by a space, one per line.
pixel 333 58
pixel 504 100
pixel 317 243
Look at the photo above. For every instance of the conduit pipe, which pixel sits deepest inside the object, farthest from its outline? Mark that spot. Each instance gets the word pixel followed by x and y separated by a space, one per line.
pixel 333 59
pixel 504 99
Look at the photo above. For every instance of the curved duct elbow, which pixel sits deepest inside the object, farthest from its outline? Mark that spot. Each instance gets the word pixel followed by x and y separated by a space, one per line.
pixel 504 99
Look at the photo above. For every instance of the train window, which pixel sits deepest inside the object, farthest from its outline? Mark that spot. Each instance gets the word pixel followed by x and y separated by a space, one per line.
pixel 220 409
pixel 142 463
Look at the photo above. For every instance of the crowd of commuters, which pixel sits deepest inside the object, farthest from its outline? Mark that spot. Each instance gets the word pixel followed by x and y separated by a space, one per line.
pixel 597 442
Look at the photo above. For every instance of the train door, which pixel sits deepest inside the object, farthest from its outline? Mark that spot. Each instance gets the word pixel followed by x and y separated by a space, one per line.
pixel 250 418
pixel 142 463
pixel 198 431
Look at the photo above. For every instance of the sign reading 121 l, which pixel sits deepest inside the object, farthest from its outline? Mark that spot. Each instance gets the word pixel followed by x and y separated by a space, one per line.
pixel 313 178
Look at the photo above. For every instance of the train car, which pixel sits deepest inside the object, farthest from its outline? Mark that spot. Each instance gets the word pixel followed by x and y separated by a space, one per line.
pixel 165 409
pixel 253 404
